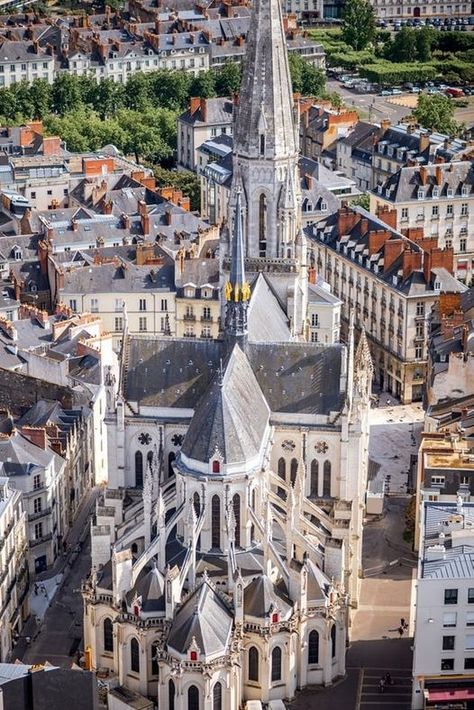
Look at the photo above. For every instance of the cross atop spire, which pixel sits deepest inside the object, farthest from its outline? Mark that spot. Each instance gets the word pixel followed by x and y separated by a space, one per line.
pixel 265 121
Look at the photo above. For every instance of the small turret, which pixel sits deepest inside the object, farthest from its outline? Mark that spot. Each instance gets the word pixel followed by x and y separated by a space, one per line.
pixel 237 290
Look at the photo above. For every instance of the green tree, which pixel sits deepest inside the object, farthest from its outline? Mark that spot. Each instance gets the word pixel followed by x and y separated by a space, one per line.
pixel 358 24
pixel 296 72
pixel 203 85
pixel 437 113
pixel 313 80
pixel 40 94
pixel 228 79
pixel 404 47
pixel 361 201
pixel 424 40
pixel 170 89
pixel 66 94
pixel 137 92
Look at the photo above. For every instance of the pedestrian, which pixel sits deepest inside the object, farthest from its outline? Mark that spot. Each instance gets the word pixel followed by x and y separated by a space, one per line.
pixel 388 679
pixel 381 685
pixel 36 590
pixel 400 631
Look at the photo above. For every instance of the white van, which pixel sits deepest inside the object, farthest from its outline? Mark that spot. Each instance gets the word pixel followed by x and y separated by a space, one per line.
pixel 253 705
pixel 276 705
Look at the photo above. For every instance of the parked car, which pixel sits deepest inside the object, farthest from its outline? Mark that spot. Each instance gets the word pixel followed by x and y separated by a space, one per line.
pixel 386 92
pixel 454 93
pixel 396 92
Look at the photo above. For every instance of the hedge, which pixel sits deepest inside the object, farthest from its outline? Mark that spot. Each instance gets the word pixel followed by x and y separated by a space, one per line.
pixel 351 60
pixel 389 73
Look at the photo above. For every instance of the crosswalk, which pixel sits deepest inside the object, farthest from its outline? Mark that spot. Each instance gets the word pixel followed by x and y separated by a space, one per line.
pixel 396 696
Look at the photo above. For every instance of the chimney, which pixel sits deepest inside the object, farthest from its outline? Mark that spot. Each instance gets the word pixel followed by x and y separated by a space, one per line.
pixel 427 266
pixel 142 211
pixel 387 215
pixel 347 219
pixel 423 172
pixel 145 221
pixel 392 250
pixel 125 221
pixel 377 239
pixel 438 175
pixel 195 104
pixel 168 217
pixel 411 262
pixel 37 436
pixel 312 275
pixel 74 224
pixel 203 103
pixel 424 142
pixel 385 124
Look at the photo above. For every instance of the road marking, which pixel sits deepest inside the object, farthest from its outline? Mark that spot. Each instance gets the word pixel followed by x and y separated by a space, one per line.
pixel 359 688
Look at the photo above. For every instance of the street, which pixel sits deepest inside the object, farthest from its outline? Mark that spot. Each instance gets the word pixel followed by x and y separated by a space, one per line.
pixel 55 625
pixel 373 107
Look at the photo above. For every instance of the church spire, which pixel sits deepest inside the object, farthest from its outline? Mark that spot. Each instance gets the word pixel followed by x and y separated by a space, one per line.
pixel 265 122
pixel 237 290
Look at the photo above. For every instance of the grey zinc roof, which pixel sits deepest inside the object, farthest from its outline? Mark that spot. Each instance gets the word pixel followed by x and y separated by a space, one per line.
pixel 204 617
pixel 231 417
pixel 404 185
pixel 110 278
pixel 261 596
pixel 267 321
pixel 218 110
pixel 17 449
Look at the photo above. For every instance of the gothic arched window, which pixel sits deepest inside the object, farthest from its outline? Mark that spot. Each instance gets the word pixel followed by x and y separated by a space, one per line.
pixel 262 144
pixel 193 698
pixel 134 656
pixel 313 489
pixel 253 663
pixel 293 470
pixel 217 697
pixel 171 458
pixel 154 660
pixel 108 636
pixel 138 469
pixel 149 459
pixel 282 468
pixel 171 694
pixel 313 647
pixel 276 664
pixel 327 478
pixel 197 504
pixel 262 225
pixel 216 522
pixel 333 641
pixel 236 507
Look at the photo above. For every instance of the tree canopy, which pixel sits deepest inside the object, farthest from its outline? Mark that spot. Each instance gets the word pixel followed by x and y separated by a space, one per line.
pixel 437 113
pixel 358 24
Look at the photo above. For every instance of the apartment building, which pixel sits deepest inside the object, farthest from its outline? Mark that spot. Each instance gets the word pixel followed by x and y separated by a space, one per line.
pixel 24 61
pixel 324 312
pixel 13 567
pixel 321 126
pixel 390 281
pixel 412 9
pixel 128 297
pixel 197 297
pixel 443 657
pixel 204 120
pixel 38 473
pixel 440 199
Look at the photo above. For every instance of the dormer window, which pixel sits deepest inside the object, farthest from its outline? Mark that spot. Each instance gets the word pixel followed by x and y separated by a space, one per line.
pixel 216 466
pixel 390 152
pixel 436 192
pixel 193 656
pixel 17 253
pixel 275 617
pixel 189 292
pixel 437 285
pixel 421 193
pixel 324 206
pixel 450 192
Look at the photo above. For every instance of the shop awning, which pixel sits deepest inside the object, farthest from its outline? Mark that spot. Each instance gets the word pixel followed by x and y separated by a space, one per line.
pixel 441 695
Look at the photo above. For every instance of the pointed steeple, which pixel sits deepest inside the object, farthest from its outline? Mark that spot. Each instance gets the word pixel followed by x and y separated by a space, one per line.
pixel 265 121
pixel 237 290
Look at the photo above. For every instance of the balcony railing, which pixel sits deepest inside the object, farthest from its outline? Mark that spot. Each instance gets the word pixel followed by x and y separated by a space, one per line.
pixel 207 319
pixel 189 317
pixel 39 514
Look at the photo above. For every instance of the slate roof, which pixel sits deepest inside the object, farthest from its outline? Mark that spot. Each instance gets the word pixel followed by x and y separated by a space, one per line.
pixel 150 586
pixel 293 377
pixel 110 278
pixel 204 617
pixel 18 451
pixel 261 596
pixel 218 111
pixel 231 418
pixel 403 186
